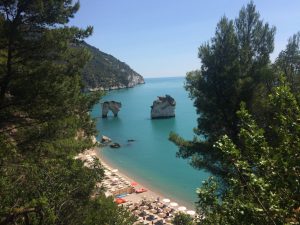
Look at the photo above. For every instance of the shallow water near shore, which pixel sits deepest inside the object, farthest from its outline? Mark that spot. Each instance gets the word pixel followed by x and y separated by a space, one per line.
pixel 151 158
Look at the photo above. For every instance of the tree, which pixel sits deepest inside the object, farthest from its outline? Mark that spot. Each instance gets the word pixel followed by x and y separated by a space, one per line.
pixel 182 219
pixel 44 118
pixel 234 64
pixel 262 185
pixel 288 62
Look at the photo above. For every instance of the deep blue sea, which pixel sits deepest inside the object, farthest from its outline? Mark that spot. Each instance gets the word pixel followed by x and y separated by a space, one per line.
pixel 151 159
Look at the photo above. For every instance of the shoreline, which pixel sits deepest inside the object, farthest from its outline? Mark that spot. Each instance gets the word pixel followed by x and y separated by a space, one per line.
pixel 149 206
pixel 152 192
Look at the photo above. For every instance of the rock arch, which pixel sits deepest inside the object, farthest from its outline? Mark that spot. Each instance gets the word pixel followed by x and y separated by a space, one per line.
pixel 110 106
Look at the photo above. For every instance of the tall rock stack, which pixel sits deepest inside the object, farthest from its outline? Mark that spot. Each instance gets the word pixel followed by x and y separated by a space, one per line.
pixel 163 107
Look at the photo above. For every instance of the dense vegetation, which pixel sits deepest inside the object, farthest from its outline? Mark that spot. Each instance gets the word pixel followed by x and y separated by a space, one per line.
pixel 44 120
pixel 248 127
pixel 104 70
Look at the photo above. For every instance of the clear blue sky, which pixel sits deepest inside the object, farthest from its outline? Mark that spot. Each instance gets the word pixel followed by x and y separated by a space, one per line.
pixel 161 37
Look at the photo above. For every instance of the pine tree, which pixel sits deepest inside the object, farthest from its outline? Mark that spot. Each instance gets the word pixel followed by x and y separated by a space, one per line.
pixel 234 64
pixel 288 63
pixel 45 121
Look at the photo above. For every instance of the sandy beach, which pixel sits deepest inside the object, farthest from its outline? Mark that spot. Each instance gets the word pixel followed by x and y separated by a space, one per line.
pixel 154 191
pixel 150 206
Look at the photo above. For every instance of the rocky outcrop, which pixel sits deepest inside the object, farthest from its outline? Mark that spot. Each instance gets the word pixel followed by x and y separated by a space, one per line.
pixel 105 72
pixel 105 140
pixel 163 107
pixel 115 145
pixel 110 106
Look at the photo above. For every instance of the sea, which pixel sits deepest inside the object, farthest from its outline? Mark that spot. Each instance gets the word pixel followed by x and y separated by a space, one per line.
pixel 151 158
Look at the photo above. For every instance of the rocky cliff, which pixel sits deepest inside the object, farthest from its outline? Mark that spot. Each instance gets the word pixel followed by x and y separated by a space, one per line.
pixel 105 72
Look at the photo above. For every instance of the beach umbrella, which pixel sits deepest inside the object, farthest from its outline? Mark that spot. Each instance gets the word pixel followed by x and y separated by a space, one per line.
pixel 159 204
pixel 143 213
pixel 145 207
pixel 106 172
pixel 153 211
pixel 115 170
pixel 173 204
pixel 151 217
pixel 161 215
pixel 120 200
pixel 115 179
pixel 181 208
pixel 133 183
pixel 167 209
pixel 136 212
pixel 166 200
pixel 191 212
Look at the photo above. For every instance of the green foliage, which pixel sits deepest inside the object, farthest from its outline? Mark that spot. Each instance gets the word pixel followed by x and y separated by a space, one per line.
pixel 234 64
pixel 45 121
pixel 110 213
pixel 104 70
pixel 182 219
pixel 288 63
pixel 262 184
pixel 253 154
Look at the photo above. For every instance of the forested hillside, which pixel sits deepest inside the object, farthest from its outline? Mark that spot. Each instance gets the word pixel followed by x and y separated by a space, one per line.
pixel 103 71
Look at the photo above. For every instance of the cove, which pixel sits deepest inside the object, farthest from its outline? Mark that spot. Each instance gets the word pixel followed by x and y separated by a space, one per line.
pixel 151 158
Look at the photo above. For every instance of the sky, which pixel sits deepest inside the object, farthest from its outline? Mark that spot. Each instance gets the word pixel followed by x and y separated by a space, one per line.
pixel 160 38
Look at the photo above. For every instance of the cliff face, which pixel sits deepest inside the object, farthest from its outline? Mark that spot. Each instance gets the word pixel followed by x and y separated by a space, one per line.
pixel 105 72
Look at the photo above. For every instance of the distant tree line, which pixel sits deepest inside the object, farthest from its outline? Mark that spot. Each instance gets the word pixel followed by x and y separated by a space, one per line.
pixel 248 130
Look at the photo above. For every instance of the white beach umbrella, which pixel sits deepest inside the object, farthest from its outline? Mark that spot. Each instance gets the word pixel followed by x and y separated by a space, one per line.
pixel 191 212
pixel 114 170
pixel 166 200
pixel 167 209
pixel 136 212
pixel 173 204
pixel 181 208
pixel 106 172
pixel 115 179
pixel 161 215
pixel 153 211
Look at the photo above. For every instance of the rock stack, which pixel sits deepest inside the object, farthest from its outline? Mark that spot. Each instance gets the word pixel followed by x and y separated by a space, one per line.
pixel 163 107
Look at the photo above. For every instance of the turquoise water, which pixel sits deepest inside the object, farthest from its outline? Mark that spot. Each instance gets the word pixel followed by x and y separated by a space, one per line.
pixel 151 159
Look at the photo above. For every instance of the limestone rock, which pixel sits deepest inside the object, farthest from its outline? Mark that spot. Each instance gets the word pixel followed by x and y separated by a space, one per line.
pixel 105 140
pixel 115 145
pixel 110 106
pixel 163 107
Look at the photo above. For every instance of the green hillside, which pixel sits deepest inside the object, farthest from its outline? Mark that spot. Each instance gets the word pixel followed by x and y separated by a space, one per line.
pixel 104 71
